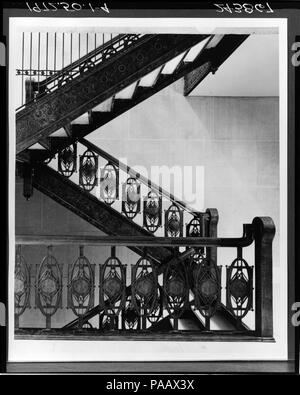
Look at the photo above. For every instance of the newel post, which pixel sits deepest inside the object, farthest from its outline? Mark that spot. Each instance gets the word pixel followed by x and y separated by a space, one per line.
pixel 212 231
pixel 264 231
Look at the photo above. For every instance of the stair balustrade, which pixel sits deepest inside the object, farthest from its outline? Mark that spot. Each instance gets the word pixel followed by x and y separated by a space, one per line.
pixel 138 199
pixel 137 300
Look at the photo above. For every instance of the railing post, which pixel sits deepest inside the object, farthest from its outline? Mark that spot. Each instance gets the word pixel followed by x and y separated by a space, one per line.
pixel 264 231
pixel 212 231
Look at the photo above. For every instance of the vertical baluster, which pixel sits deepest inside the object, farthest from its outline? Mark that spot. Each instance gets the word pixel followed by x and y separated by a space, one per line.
pixel 39 60
pixel 23 44
pixel 30 68
pixel 212 231
pixel 71 47
pixel 63 51
pixel 47 39
pixel 79 45
pixel 54 52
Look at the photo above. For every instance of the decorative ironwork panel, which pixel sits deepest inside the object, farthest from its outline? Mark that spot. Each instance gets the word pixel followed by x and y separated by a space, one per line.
pixel 130 318
pixel 131 201
pixel 239 287
pixel 88 170
pixel 176 289
pixel 109 183
pixel 81 285
pixel 207 287
pixel 174 221
pixel 195 228
pixel 144 286
pixel 67 160
pixel 152 215
pixel 22 284
pixel 49 285
pixel 112 292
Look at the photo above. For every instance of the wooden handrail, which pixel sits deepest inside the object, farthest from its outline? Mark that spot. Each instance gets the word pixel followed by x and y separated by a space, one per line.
pixel 144 241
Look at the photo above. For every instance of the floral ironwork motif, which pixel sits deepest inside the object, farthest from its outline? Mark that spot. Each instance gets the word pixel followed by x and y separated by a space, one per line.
pixel 207 287
pixel 174 221
pixel 131 202
pixel 152 215
pixel 109 183
pixel 81 285
pixel 239 287
pixel 49 285
pixel 144 286
pixel 22 284
pixel 176 289
pixel 112 284
pixel 88 170
pixel 67 160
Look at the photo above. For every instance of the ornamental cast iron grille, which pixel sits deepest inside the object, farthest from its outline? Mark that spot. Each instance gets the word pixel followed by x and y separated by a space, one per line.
pixel 152 215
pixel 176 289
pixel 195 228
pixel 239 286
pixel 81 286
pixel 174 221
pixel 131 202
pixel 109 183
pixel 67 160
pixel 22 285
pixel 168 302
pixel 144 285
pixel 207 287
pixel 48 296
pixel 112 286
pixel 88 170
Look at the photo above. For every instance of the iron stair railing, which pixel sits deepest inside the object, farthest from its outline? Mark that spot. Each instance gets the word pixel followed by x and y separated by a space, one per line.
pixel 170 295
pixel 75 69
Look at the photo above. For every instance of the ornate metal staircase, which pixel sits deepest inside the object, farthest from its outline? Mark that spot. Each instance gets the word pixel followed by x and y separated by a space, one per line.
pixel 76 101
pixel 109 81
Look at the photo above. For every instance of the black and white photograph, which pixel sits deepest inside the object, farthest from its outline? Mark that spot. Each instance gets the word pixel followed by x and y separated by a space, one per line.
pixel 148 190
